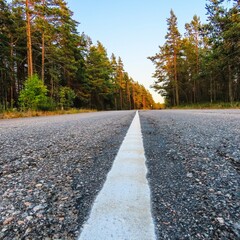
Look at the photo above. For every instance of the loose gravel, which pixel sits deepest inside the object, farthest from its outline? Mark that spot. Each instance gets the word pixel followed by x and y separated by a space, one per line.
pixel 51 169
pixel 193 159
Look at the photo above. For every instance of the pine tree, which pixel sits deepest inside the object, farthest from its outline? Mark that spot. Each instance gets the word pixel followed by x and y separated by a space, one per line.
pixel 120 81
pixel 5 52
pixel 40 37
pixel 29 37
pixel 98 71
pixel 167 63
pixel 192 49
pixel 173 41
pixel 223 32
pixel 113 62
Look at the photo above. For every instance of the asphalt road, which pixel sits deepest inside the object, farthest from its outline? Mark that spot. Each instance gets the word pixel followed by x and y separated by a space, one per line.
pixel 52 168
pixel 193 159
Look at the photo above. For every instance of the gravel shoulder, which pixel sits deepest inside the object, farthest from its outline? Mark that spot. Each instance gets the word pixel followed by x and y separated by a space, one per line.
pixel 51 169
pixel 193 160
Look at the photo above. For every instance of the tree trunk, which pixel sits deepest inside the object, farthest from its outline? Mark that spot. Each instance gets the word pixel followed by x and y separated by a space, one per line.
pixel 29 41
pixel 121 98
pixel 129 99
pixel 194 90
pixel 128 95
pixel 43 56
pixel 133 95
pixel 143 102
pixel 43 45
pixel 196 87
pixel 230 93
pixel 13 82
pixel 211 89
pixel 115 101
pixel 176 78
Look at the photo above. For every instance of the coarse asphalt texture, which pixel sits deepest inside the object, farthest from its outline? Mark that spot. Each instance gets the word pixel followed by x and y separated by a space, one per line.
pixel 193 158
pixel 52 168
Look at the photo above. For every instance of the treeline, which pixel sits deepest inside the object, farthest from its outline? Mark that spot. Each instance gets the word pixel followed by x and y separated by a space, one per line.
pixel 204 64
pixel 39 40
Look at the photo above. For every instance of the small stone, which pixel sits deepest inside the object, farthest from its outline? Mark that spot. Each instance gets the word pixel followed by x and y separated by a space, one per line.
pixel 27 204
pixel 38 207
pixel 29 218
pixel 220 220
pixel 189 175
pixel 8 220
pixel 228 196
pixel 65 198
pixel 20 222
pixel 39 185
pixel 39 215
pixel 28 231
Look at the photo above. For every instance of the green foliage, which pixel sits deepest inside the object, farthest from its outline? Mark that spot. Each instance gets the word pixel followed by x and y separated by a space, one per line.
pixel 66 96
pixel 63 59
pixel 202 66
pixel 208 105
pixel 34 95
pixel 98 73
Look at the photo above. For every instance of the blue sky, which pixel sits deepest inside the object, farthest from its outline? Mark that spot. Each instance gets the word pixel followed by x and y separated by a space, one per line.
pixel 133 29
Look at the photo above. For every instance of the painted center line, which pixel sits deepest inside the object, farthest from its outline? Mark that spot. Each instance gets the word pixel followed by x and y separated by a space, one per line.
pixel 122 209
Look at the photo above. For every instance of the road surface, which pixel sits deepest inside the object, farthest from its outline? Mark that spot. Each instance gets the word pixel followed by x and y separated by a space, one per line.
pixel 53 168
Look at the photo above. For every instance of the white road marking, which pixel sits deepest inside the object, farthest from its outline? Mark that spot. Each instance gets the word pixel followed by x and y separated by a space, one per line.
pixel 122 209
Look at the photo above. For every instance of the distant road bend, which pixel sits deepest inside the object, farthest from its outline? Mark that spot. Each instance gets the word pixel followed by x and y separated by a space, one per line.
pixel 55 172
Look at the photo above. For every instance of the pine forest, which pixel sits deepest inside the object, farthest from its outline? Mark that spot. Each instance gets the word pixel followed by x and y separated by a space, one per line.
pixel 203 65
pixel 46 64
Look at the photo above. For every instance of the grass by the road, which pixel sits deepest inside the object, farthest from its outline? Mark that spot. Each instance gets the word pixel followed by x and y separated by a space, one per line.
pixel 31 113
pixel 219 105
pixel 20 114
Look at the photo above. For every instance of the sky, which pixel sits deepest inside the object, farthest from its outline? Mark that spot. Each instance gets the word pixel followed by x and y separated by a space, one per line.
pixel 133 29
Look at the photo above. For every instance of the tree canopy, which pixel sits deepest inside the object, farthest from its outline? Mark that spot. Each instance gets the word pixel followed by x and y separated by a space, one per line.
pixel 39 40
pixel 203 65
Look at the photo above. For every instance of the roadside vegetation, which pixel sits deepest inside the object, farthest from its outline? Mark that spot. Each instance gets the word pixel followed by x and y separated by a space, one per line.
pixel 219 105
pixel 34 101
pixel 14 113
pixel 47 66
pixel 201 69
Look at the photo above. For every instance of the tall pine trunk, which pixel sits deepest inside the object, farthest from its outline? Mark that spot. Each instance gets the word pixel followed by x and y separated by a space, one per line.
pixel 12 76
pixel 128 97
pixel 230 92
pixel 43 44
pixel 176 78
pixel 121 98
pixel 43 56
pixel 29 40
